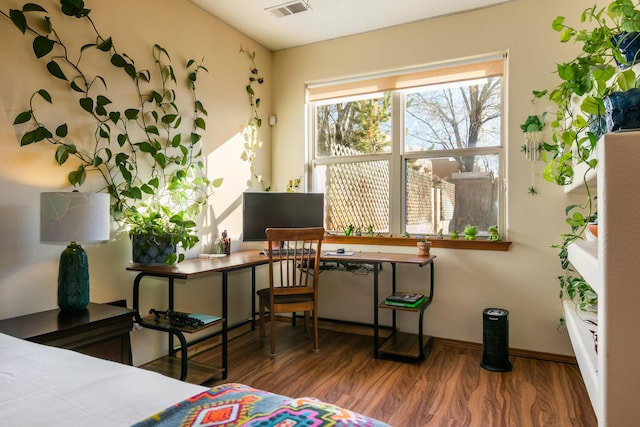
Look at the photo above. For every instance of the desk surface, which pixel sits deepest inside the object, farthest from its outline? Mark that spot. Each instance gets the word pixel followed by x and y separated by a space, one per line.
pixel 380 257
pixel 239 260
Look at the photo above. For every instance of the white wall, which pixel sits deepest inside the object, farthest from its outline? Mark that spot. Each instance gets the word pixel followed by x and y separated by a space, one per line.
pixel 28 269
pixel 522 280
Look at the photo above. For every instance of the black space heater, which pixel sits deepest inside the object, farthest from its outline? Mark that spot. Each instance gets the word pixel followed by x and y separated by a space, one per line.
pixel 495 340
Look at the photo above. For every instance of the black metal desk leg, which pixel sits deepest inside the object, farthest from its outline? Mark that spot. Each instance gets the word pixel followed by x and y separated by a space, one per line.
pixel 225 321
pixel 253 298
pixel 375 310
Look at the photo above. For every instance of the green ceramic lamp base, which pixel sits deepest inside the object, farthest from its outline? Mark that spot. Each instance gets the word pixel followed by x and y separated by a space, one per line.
pixel 73 279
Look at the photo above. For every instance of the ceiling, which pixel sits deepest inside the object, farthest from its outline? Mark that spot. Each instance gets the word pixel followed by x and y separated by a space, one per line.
pixel 326 19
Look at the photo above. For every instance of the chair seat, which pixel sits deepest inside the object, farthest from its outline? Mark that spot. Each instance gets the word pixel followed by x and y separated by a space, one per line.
pixel 285 299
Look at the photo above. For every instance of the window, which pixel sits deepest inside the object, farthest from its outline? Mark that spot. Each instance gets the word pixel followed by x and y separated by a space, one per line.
pixel 415 153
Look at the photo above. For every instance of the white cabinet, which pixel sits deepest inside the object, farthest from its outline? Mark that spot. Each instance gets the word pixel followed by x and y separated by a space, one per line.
pixel 612 267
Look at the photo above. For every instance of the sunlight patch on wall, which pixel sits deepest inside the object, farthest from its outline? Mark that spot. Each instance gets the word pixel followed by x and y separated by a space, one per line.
pixel 225 205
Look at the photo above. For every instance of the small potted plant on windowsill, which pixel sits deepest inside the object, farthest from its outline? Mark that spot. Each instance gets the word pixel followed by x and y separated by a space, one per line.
pixel 424 247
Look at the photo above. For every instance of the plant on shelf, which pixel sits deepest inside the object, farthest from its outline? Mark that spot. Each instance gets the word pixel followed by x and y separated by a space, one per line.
pixel 585 106
pixel 588 81
pixel 152 167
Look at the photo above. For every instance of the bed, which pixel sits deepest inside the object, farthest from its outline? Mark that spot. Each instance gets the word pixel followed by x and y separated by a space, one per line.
pixel 41 385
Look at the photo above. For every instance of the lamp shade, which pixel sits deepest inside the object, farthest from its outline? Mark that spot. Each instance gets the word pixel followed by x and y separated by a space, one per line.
pixel 72 216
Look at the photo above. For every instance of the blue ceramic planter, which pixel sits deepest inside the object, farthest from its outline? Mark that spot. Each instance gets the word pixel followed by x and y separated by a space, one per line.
pixel 629 45
pixel 152 250
pixel 623 110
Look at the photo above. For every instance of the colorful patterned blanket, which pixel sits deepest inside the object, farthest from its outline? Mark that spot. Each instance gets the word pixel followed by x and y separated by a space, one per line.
pixel 238 404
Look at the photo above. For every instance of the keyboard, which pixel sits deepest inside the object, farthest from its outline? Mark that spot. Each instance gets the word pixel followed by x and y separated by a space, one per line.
pixel 289 251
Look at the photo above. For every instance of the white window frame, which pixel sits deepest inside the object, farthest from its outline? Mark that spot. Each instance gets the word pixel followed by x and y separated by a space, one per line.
pixel 397 157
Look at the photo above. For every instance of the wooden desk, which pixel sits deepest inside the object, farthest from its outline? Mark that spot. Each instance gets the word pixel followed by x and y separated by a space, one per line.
pixel 197 267
pixel 251 259
pixel 101 330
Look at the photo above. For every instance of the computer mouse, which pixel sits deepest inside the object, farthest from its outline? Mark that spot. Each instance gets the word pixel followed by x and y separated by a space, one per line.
pixel 340 250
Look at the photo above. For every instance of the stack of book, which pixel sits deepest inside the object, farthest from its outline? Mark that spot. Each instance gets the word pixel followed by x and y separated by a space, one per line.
pixel 405 299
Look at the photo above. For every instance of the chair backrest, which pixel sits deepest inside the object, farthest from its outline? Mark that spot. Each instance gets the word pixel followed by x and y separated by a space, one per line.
pixel 295 253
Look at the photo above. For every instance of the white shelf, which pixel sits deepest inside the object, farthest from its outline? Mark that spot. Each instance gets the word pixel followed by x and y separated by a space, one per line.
pixel 584 257
pixel 583 346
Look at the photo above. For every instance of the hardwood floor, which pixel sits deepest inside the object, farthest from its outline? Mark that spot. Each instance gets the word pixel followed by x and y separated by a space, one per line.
pixel 448 389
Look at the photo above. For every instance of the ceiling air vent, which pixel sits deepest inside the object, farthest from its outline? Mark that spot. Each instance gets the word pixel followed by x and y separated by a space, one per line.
pixel 286 9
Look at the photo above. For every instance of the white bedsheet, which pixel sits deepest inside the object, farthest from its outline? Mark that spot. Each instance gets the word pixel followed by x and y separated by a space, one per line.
pixel 47 386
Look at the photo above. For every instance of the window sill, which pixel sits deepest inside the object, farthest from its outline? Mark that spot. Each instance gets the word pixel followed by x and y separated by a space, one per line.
pixel 479 244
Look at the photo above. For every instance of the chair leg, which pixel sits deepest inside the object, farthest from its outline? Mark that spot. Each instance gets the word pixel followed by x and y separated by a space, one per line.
pixel 316 340
pixel 307 323
pixel 272 325
pixel 262 320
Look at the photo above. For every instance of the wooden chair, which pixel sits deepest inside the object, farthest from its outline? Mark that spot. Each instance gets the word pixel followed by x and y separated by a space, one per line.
pixel 294 266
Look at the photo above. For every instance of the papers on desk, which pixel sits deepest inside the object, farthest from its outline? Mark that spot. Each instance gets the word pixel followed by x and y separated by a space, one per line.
pixel 334 253
pixel 209 256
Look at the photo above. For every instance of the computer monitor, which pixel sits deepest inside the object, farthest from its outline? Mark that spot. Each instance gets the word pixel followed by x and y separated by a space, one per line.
pixel 261 210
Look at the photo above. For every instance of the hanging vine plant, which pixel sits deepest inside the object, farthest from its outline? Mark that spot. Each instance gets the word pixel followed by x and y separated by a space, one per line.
pixel 149 154
pixel 252 141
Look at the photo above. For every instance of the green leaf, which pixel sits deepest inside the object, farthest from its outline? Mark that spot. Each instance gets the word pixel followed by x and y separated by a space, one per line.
pixel 217 182
pixel 32 7
pixel 102 100
pixel 200 123
pixel 74 8
pixel 35 135
pixel 77 177
pixel 62 130
pixel 106 45
pixel 18 19
pixel 145 147
pixel 152 130
pixel 122 139
pixel 147 189
pixel 591 105
pixel 62 154
pixel 105 132
pixel 201 108
pixel 45 95
pixel 176 140
pixel 55 70
pixel 161 159
pixel 144 75
pixel 168 118
pixel 131 113
pixel 87 104
pixel 42 46
pixel 23 117
pixel 131 70
pixel 114 116
pixel 75 87
pixel 118 60
pixel 558 23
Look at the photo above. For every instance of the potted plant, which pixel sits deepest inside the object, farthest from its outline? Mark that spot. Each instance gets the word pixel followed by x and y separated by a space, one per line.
pixel 585 107
pixel 590 82
pixel 424 247
pixel 151 166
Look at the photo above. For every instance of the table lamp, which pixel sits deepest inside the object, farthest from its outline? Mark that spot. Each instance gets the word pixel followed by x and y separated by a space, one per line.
pixel 72 217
